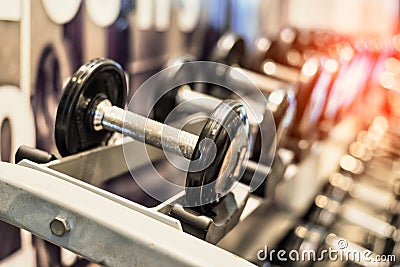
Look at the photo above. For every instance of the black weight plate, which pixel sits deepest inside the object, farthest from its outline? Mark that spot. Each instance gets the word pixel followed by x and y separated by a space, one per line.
pixel 165 104
pixel 97 78
pixel 258 54
pixel 166 101
pixel 222 132
pixel 230 49
pixel 321 215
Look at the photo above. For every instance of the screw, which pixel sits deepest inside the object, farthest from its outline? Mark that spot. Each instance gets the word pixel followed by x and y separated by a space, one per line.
pixel 59 226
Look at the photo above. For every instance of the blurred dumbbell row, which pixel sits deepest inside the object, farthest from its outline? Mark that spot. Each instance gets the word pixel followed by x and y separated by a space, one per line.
pixel 356 213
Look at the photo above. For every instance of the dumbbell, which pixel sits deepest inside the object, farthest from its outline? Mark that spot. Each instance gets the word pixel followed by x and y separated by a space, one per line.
pixel 293 47
pixel 370 151
pixel 295 240
pixel 319 64
pixel 376 163
pixel 381 199
pixel 375 172
pixel 384 127
pixel 313 83
pixel 259 113
pixel 91 109
pixel 378 144
pixel 325 212
pixel 393 246
pixel 230 50
pixel 376 229
pixel 340 187
pixel 287 60
pixel 307 80
pixel 186 100
pixel 381 136
pixel 363 152
pixel 288 48
pixel 379 170
pixel 305 76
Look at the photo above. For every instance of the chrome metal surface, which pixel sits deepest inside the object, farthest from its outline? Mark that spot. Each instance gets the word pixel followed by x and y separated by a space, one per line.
pixel 98 165
pixel 196 101
pixel 146 130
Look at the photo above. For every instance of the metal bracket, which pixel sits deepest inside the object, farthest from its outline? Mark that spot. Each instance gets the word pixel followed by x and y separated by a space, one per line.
pixel 101 226
pixel 223 216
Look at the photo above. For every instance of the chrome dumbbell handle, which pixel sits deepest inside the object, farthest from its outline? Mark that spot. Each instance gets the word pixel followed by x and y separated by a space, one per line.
pixel 142 129
pixel 203 102
pixel 186 94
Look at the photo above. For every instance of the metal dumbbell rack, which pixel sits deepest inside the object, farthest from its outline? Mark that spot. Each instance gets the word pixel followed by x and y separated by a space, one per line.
pixel 66 208
pixel 72 212
pixel 64 192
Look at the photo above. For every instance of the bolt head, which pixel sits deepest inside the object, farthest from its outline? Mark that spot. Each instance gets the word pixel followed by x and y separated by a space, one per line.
pixel 59 226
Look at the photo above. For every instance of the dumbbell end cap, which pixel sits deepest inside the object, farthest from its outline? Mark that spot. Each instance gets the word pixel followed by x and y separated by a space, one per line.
pixel 97 78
